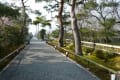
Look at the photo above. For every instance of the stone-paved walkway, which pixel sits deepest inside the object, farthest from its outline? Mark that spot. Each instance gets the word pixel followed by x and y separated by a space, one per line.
pixel 39 61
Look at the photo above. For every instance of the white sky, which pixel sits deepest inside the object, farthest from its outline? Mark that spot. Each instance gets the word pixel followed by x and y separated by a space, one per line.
pixel 34 6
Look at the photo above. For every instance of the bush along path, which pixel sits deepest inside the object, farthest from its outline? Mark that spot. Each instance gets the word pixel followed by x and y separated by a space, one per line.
pixel 39 61
pixel 87 60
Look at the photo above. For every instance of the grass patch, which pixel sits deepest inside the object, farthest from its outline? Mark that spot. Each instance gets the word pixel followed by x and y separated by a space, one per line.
pixel 112 63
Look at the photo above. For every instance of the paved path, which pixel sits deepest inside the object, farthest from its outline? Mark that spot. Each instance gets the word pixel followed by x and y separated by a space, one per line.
pixel 39 61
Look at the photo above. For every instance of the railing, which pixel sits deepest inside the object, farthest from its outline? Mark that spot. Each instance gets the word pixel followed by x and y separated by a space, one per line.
pixel 89 64
pixel 90 61
pixel 106 47
pixel 12 53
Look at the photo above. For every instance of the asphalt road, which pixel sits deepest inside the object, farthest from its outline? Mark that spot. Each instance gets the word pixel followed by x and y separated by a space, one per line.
pixel 39 61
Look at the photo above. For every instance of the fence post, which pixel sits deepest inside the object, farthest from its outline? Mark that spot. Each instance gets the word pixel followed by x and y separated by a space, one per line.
pixel 112 77
pixel 117 76
pixel 88 64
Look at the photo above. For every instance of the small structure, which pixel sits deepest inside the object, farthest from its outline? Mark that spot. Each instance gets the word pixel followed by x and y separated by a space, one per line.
pixel 117 76
pixel 66 54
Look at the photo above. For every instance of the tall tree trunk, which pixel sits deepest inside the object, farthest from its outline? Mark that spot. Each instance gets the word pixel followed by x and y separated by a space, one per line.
pixel 23 15
pixel 23 21
pixel 61 33
pixel 76 34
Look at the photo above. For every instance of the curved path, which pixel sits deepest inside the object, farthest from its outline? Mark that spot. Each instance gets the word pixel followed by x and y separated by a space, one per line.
pixel 39 61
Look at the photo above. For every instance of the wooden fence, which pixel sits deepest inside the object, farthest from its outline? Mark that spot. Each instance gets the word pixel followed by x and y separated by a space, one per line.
pixel 5 60
pixel 106 47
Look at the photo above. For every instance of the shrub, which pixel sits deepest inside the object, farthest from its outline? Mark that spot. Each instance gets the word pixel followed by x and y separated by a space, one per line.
pixel 111 55
pixel 104 54
pixel 87 50
pixel 71 47
pixel 99 53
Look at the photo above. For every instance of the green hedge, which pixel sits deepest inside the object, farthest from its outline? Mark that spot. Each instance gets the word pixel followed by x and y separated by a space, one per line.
pixel 104 54
pixel 71 47
pixel 87 49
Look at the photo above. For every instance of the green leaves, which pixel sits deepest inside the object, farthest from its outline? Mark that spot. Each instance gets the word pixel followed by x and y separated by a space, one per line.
pixel 42 33
pixel 35 22
pixel 65 19
pixel 90 5
pixel 41 20
pixel 10 35
pixel 55 33
pixel 109 4
pixel 42 0
pixel 109 23
pixel 37 12
pixel 8 11
pixel 46 23
pixel 81 15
